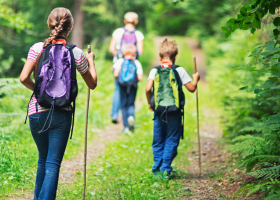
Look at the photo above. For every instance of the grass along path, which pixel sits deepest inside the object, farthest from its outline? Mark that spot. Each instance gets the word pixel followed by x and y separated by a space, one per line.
pixel 19 154
pixel 19 160
pixel 123 170
pixel 120 168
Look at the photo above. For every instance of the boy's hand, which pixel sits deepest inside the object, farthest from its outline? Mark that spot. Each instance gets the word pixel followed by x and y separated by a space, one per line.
pixel 196 76
pixel 150 108
pixel 90 56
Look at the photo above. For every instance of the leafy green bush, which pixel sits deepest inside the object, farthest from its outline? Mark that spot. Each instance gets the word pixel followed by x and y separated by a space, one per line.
pixel 254 110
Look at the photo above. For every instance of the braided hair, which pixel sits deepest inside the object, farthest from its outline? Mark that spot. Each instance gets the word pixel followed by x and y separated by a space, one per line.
pixel 60 23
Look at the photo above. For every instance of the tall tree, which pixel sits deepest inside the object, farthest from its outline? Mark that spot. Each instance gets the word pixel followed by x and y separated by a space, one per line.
pixel 77 37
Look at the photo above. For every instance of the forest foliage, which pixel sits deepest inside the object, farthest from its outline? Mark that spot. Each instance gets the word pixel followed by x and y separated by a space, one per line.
pixel 254 120
pixel 23 23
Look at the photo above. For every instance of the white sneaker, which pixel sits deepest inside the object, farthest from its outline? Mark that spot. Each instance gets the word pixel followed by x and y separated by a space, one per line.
pixel 130 121
pixel 125 130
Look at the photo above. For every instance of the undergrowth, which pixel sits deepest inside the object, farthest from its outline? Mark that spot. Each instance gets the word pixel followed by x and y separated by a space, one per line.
pixel 246 69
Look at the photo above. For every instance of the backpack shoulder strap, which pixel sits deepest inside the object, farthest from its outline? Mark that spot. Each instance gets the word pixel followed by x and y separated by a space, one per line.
pixel 174 66
pixel 44 58
pixel 181 97
pixel 177 76
pixel 70 45
pixel 124 31
pixel 133 62
pixel 157 67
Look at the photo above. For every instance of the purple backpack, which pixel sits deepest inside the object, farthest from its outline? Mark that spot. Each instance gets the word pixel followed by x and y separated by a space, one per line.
pixel 56 83
pixel 128 37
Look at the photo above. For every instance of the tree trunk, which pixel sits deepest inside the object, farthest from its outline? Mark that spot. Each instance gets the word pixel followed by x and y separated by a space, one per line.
pixel 77 37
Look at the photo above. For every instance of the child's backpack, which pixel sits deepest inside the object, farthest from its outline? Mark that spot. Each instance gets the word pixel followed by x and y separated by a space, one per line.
pixel 167 94
pixel 128 37
pixel 128 74
pixel 56 83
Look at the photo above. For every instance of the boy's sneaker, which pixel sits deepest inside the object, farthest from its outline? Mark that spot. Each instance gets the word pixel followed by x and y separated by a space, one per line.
pixel 125 130
pixel 114 120
pixel 130 121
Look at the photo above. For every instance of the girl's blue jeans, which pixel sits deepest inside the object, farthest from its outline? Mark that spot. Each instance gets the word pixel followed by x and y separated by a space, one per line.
pixel 165 142
pixel 51 145
pixel 116 101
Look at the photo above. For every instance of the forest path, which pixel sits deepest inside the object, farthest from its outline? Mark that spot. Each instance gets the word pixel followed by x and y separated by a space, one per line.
pixel 71 168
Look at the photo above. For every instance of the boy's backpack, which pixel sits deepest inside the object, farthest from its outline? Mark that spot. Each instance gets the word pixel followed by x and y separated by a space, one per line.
pixel 128 74
pixel 128 37
pixel 56 83
pixel 167 94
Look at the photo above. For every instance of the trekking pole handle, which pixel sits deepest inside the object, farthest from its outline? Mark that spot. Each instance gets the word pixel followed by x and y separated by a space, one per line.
pixel 194 60
pixel 89 49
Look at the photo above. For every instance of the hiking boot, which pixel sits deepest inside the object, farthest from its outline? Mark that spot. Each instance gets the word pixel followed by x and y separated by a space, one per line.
pixel 130 121
pixel 114 120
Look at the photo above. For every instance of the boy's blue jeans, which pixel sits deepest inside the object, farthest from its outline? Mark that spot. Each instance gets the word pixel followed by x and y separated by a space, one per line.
pixel 51 145
pixel 165 142
pixel 116 101
pixel 127 103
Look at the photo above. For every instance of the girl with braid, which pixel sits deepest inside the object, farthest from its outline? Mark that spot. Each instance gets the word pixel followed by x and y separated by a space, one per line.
pixel 51 143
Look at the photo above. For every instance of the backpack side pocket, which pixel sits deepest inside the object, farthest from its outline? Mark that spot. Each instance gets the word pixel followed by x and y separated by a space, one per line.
pixel 37 86
pixel 74 90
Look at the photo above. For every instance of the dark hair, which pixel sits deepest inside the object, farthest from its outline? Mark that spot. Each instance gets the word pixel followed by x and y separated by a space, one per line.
pixel 60 22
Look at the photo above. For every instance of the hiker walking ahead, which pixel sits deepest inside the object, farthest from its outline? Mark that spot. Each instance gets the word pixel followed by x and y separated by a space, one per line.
pixel 166 98
pixel 121 37
pixel 128 71
pixel 54 63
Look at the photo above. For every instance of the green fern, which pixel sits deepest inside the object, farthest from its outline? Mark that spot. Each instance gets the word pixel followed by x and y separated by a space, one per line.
pixel 266 173
pixel 274 196
pixel 250 189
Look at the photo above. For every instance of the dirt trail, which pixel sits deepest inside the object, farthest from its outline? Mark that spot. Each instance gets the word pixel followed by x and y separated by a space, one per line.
pixel 215 182
pixel 71 167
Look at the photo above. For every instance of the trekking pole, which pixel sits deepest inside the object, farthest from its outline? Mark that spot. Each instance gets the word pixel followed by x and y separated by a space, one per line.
pixel 197 119
pixel 85 152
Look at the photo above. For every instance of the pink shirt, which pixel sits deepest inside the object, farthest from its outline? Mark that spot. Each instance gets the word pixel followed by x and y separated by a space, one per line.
pixel 81 66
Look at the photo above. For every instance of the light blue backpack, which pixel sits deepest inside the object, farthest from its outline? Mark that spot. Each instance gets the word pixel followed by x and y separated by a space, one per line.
pixel 128 76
